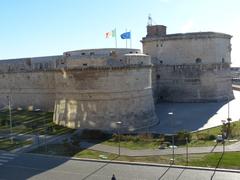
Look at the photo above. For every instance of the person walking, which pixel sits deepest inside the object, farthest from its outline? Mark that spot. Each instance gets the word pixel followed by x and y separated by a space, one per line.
pixel 113 177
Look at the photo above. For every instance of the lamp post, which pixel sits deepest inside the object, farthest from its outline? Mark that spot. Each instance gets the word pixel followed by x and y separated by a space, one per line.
pixel 173 153
pixel 228 120
pixel 223 134
pixel 118 130
pixel 10 118
pixel 186 150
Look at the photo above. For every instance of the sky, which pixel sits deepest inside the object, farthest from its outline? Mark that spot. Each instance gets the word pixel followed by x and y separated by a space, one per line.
pixel 30 28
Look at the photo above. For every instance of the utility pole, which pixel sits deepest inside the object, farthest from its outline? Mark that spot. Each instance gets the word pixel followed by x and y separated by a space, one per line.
pixel 118 128
pixel 186 151
pixel 10 118
pixel 173 153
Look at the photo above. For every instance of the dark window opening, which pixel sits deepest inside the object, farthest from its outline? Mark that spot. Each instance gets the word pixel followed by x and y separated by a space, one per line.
pixel 112 53
pixel 223 60
pixel 157 45
pixel 41 66
pixel 83 54
pixel 130 52
pixel 161 45
pixel 198 60
pixel 120 60
pixel 158 76
pixel 160 61
pixel 92 53
pixel 85 64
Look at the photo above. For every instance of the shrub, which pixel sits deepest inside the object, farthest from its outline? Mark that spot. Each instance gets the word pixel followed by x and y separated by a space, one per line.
pixel 181 137
pixel 205 136
pixel 145 136
pixel 202 136
pixel 75 140
pixel 211 137
pixel 94 134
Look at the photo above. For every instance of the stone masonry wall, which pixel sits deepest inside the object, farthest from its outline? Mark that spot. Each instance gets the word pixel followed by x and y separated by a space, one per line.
pixel 193 83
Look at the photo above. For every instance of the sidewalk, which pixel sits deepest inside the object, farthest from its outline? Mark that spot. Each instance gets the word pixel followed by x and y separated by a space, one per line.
pixel 152 152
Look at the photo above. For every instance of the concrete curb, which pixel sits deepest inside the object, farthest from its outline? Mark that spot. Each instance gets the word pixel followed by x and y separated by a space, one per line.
pixel 140 163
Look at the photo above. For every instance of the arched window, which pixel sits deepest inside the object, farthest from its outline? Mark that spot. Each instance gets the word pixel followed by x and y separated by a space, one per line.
pixel 198 60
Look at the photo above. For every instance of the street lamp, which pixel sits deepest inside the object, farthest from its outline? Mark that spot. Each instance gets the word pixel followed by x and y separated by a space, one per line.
pixel 228 120
pixel 186 150
pixel 173 153
pixel 10 118
pixel 223 134
pixel 118 130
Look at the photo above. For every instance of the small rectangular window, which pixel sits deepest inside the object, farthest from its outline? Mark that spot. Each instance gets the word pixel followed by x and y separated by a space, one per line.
pixel 85 64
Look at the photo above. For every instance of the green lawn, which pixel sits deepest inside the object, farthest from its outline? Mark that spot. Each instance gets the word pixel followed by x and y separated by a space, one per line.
pixel 228 160
pixel 31 122
pixel 199 139
pixel 27 123
pixel 8 146
pixel 134 145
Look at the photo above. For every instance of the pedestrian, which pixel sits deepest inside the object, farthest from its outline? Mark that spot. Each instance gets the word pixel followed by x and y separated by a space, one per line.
pixel 113 177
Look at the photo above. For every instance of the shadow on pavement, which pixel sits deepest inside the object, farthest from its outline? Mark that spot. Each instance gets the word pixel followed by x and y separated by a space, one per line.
pixel 186 116
pixel 219 161
pixel 94 172
pixel 165 172
pixel 214 147
pixel 181 173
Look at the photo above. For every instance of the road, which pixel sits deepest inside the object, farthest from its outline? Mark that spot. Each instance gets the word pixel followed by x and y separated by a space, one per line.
pixel 29 166
pixel 158 152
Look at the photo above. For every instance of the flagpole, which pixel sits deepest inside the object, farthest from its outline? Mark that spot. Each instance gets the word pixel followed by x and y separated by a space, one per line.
pixel 126 40
pixel 115 37
pixel 130 39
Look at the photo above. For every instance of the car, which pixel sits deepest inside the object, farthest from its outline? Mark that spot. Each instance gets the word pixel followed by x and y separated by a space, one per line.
pixel 172 147
pixel 219 138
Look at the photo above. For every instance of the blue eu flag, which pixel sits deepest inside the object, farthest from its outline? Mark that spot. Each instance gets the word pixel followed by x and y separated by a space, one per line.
pixel 126 35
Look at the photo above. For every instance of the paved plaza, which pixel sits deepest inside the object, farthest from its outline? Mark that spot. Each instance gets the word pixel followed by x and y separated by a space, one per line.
pixel 195 116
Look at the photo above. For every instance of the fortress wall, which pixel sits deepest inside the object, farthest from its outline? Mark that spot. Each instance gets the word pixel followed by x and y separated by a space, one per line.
pixel 193 83
pixel 92 90
pixel 29 82
pixel 31 89
pixel 102 52
pixel 186 51
pixel 90 98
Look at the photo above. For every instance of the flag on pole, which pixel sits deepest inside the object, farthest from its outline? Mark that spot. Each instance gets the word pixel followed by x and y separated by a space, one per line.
pixel 126 35
pixel 110 34
pixel 114 33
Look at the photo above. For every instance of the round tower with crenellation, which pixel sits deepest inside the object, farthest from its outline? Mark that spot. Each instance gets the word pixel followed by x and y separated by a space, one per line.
pixel 97 88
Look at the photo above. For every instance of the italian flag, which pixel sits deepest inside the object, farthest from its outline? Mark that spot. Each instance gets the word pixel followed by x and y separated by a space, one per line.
pixel 110 34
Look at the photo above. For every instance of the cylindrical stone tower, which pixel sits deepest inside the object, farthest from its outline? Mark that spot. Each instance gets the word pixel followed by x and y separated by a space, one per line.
pixel 97 88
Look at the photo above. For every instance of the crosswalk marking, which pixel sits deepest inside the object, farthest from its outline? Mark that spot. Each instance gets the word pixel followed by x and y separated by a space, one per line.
pixel 6 157
pixel 8 154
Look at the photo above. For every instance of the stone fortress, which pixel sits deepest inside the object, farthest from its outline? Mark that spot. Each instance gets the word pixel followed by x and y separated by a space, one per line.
pixel 96 88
